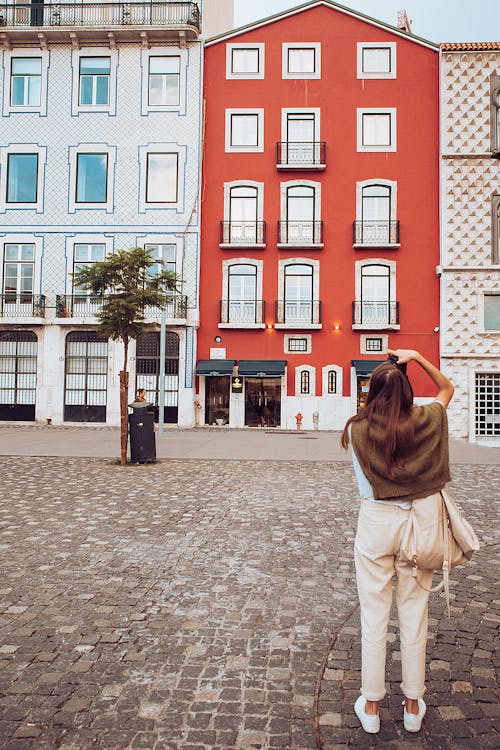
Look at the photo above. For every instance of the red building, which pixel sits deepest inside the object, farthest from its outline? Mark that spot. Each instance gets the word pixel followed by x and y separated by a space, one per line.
pixel 320 227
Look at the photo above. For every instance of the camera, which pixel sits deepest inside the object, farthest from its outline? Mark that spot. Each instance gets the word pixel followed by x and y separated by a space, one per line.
pixel 392 358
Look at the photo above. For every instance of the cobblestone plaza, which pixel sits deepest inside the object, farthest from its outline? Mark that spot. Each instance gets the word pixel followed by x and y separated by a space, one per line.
pixel 209 604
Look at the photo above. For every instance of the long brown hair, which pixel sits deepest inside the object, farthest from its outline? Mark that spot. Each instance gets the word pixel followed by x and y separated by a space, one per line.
pixel 390 397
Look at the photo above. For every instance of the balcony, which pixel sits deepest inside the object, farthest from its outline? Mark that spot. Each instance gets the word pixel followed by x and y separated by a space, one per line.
pixel 22 308
pixel 300 234
pixel 298 314
pixel 107 21
pixel 84 308
pixel 376 233
pixel 375 315
pixel 242 234
pixel 242 313
pixel 304 156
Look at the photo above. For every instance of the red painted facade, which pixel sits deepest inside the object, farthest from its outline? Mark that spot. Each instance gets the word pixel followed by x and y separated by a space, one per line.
pixel 412 170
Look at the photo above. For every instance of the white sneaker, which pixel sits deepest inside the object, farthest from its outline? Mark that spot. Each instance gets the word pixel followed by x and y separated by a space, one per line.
pixel 413 722
pixel 370 723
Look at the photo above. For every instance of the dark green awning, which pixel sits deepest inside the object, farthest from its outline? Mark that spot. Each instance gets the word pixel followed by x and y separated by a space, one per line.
pixel 215 367
pixel 365 367
pixel 262 368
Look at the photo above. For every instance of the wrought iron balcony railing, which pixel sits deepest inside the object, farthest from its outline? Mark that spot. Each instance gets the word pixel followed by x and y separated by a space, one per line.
pixel 298 312
pixel 242 233
pixel 23 305
pixel 97 15
pixel 242 312
pixel 305 155
pixel 87 306
pixel 375 313
pixel 376 233
pixel 300 233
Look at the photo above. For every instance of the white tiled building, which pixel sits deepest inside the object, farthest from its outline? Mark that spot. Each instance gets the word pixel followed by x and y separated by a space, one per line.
pixel 100 149
pixel 470 246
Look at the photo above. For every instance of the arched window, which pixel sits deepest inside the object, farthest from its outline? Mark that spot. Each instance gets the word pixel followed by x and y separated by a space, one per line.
pixel 375 294
pixel 242 293
pixel 243 214
pixel 300 213
pixel 332 381
pixel 85 382
pixel 305 382
pixel 298 293
pixel 18 355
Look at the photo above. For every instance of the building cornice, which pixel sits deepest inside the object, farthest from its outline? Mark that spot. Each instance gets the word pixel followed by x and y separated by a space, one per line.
pixel 470 46
pixel 329 4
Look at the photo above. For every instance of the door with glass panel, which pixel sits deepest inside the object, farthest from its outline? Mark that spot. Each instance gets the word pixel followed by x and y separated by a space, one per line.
pixel 300 210
pixel 375 295
pixel 298 294
pixel 18 272
pixel 147 367
pixel 376 214
pixel 18 353
pixel 243 215
pixel 300 147
pixel 85 304
pixel 242 294
pixel 85 379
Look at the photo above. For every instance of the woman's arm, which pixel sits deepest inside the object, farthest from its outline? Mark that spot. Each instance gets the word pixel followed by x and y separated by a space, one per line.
pixel 445 385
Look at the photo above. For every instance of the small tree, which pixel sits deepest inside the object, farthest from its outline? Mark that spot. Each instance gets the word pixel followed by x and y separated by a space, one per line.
pixel 127 286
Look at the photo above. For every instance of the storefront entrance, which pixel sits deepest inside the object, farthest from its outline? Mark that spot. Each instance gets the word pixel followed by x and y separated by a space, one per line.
pixel 18 352
pixel 262 402
pixel 217 399
pixel 147 367
pixel 363 386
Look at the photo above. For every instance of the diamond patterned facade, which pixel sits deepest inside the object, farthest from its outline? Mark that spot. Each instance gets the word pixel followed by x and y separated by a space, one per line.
pixel 470 177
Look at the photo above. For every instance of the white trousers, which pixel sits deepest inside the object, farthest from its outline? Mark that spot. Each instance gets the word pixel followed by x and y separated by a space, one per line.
pixel 380 528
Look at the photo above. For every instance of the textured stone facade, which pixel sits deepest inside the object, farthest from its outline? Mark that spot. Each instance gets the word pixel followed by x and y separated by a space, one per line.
pixel 470 177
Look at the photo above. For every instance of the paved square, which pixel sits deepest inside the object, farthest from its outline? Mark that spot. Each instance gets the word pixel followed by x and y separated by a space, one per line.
pixel 205 604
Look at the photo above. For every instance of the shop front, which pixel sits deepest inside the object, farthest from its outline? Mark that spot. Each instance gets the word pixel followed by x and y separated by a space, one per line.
pixel 247 395
pixel 363 369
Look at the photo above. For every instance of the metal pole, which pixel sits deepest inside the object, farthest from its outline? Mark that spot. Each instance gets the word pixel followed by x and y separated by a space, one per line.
pixel 161 399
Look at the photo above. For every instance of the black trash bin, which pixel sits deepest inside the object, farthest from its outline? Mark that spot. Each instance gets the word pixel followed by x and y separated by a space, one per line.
pixel 142 433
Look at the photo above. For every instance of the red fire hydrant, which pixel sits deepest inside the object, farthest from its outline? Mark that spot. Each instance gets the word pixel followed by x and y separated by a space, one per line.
pixel 298 420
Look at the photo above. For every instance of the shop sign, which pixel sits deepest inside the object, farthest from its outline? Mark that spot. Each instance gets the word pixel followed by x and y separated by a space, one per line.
pixel 236 384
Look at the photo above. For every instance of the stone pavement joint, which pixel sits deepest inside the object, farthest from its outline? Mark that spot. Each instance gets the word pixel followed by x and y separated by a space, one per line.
pixel 190 604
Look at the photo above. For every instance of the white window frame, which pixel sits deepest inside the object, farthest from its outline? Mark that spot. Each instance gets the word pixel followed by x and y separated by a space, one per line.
pixel 259 186
pixel 91 148
pixel 286 46
pixel 358 266
pixel 259 265
pixel 315 289
pixel 316 111
pixel 8 56
pixel 363 343
pixel 494 292
pixel 162 148
pixel 83 239
pixel 312 380
pixel 146 108
pixel 324 381
pixel 230 76
pixel 360 112
pixel 22 148
pixel 76 107
pixel 24 239
pixel 260 130
pixel 306 337
pixel 361 46
pixel 393 185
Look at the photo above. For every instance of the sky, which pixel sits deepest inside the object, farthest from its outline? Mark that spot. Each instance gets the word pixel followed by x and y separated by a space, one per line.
pixel 435 20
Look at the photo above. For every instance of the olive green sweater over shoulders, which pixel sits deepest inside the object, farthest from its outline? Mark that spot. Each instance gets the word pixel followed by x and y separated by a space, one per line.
pixel 425 463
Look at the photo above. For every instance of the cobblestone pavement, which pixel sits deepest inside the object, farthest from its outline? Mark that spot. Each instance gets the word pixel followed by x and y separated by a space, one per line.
pixel 208 605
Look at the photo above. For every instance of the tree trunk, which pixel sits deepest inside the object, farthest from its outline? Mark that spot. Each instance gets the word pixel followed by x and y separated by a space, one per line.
pixel 124 406
pixel 123 416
